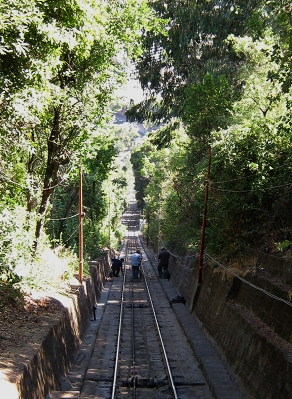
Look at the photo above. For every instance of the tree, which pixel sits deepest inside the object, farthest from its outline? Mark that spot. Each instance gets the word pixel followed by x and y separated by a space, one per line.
pixel 60 63
pixel 195 44
pixel 65 68
pixel 232 90
pixel 252 156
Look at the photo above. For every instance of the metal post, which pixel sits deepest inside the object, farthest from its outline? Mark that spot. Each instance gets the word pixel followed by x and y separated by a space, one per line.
pixel 80 227
pixel 148 226
pixel 109 220
pixel 158 237
pixel 200 263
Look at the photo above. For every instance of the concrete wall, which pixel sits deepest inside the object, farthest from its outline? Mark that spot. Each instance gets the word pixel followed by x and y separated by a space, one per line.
pixel 251 330
pixel 54 356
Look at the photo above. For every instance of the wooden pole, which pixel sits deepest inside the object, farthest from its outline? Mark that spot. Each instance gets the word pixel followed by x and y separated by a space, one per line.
pixel 148 227
pixel 158 237
pixel 200 263
pixel 109 221
pixel 80 227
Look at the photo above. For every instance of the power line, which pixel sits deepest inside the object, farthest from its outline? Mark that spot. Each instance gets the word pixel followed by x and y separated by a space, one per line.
pixel 240 242
pixel 232 180
pixel 288 164
pixel 5 177
pixel 11 181
pixel 247 282
pixel 250 190
pixel 176 256
pixel 74 231
pixel 69 217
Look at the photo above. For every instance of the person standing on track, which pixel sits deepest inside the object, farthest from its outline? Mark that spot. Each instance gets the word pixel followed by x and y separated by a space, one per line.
pixel 163 258
pixel 117 265
pixel 136 260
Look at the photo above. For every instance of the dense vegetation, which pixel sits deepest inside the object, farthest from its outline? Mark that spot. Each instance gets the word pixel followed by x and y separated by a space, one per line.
pixel 60 64
pixel 215 74
pixel 219 77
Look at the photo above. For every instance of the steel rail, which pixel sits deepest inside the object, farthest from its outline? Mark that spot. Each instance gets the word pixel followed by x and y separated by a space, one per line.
pixel 134 245
pixel 133 344
pixel 119 333
pixel 134 242
pixel 160 335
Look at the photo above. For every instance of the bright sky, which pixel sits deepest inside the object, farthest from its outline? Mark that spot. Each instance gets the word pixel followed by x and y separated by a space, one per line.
pixel 132 90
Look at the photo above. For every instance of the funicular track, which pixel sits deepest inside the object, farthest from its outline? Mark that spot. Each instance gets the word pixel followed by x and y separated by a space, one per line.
pixel 140 349
pixel 141 346
pixel 137 375
pixel 137 347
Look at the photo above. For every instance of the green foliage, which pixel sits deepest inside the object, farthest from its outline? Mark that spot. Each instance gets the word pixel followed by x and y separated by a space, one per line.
pixel 207 106
pixel 251 170
pixel 283 246
pixel 231 86
pixel 141 181
pixel 194 45
pixel 172 195
pixel 105 185
pixel 222 69
pixel 50 270
pixel 60 63
pixel 20 269
pixel 15 247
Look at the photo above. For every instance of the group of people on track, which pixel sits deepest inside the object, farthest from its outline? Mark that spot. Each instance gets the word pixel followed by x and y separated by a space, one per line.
pixel 136 260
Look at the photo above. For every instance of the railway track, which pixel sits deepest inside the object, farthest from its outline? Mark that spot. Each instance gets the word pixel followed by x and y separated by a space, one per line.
pixel 140 349
pixel 140 346
pixel 136 373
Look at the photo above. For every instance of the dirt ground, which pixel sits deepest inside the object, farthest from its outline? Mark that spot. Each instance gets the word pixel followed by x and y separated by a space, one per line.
pixel 23 326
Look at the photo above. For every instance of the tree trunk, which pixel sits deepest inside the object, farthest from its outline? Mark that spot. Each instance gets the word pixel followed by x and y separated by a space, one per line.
pixel 51 173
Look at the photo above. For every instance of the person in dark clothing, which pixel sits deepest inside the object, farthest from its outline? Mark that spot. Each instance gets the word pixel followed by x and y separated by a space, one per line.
pixel 117 265
pixel 163 258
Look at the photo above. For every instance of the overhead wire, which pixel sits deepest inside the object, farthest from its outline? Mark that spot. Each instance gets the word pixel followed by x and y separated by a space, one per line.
pixel 239 242
pixel 66 218
pixel 11 181
pixel 44 189
pixel 212 188
pixel 285 164
pixel 232 180
pixel 246 281
pixel 250 190
pixel 177 256
pixel 74 231
pixel 5 177
pixel 208 256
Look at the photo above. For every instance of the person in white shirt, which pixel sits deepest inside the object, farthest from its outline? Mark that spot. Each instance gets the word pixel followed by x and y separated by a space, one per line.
pixel 136 262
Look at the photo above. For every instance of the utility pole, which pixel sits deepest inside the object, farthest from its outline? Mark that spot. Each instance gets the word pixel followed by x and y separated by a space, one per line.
pixel 148 227
pixel 80 227
pixel 158 237
pixel 200 263
pixel 109 220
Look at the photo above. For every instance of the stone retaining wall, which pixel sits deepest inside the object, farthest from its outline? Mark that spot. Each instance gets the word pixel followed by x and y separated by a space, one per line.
pixel 251 330
pixel 52 360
